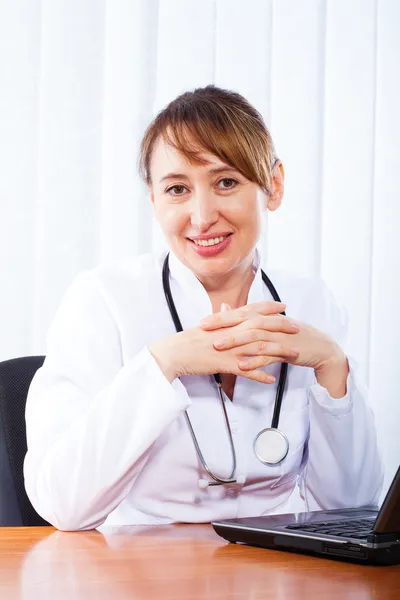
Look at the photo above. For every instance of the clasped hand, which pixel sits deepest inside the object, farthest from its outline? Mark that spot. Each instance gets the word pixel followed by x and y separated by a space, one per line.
pixel 258 336
pixel 242 341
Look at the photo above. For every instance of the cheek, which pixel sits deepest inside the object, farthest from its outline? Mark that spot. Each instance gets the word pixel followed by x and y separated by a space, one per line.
pixel 171 219
pixel 245 212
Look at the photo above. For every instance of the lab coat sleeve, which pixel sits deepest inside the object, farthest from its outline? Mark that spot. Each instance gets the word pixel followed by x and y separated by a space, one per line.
pixel 91 420
pixel 341 466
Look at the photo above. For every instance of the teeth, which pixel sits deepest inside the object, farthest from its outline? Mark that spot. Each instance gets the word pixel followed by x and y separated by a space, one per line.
pixel 210 242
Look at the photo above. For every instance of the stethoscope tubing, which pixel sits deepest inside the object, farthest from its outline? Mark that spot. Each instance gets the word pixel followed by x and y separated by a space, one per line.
pixel 279 393
pixel 217 480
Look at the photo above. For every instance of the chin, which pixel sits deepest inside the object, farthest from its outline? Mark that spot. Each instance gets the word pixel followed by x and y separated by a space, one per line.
pixel 211 266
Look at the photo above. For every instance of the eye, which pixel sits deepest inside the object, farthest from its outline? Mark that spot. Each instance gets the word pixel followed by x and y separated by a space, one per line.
pixel 229 183
pixel 178 190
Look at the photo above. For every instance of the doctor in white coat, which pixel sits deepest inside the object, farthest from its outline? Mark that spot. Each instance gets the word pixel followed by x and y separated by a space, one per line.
pixel 108 439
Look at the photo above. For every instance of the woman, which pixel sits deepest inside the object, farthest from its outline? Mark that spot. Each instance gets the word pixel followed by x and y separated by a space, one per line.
pixel 108 437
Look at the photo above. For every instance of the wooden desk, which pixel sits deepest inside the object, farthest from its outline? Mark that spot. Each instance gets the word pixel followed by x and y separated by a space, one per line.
pixel 171 562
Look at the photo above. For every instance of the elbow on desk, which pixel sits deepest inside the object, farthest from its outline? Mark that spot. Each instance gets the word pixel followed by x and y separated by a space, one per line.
pixel 59 509
pixel 73 520
pixel 64 520
pixel 74 524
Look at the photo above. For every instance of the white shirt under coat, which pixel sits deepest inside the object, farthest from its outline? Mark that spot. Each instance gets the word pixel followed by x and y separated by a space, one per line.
pixel 107 439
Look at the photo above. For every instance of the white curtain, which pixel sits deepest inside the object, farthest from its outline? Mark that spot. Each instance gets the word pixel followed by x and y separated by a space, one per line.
pixel 81 79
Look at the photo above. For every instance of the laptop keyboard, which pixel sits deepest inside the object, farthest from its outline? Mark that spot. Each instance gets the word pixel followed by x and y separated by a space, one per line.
pixel 359 528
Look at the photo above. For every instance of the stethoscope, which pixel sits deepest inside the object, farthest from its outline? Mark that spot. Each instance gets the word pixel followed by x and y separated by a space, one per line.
pixel 270 445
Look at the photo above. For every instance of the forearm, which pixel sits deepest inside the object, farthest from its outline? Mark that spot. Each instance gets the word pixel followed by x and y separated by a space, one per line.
pixel 344 466
pixel 78 476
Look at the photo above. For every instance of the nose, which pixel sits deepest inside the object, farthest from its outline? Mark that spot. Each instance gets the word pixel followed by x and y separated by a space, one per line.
pixel 204 211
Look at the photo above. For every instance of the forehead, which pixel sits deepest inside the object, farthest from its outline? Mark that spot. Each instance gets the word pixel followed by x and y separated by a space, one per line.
pixel 166 158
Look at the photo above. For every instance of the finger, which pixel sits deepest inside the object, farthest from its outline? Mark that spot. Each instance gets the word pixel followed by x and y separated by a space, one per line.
pixel 268 349
pixel 256 328
pixel 273 323
pixel 256 375
pixel 253 320
pixel 267 307
pixel 233 317
pixel 252 337
pixel 256 362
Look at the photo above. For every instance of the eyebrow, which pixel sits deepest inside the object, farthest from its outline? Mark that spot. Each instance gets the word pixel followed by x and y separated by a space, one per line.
pixel 213 171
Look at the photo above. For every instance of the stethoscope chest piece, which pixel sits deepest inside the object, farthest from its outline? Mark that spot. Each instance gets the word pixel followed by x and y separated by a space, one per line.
pixel 271 446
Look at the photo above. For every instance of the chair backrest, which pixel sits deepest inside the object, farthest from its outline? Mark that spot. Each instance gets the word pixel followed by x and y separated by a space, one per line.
pixel 15 378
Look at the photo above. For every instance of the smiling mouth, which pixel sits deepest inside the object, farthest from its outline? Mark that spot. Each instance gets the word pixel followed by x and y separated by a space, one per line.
pixel 210 241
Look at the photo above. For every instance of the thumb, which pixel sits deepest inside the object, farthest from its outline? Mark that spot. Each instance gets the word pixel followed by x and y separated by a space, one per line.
pixel 225 307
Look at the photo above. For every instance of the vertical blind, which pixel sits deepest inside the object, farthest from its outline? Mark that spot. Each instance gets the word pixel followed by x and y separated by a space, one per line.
pixel 81 79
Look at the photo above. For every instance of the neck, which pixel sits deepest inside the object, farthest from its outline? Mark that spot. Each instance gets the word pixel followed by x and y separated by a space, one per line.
pixel 232 288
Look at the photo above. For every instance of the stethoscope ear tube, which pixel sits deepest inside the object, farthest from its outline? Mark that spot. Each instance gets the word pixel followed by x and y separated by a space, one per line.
pixel 279 395
pixel 168 296
pixel 284 366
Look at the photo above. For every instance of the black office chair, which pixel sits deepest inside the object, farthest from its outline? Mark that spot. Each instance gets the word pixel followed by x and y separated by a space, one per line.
pixel 15 378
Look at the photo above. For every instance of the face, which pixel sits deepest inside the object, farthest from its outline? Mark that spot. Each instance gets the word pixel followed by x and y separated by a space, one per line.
pixel 210 214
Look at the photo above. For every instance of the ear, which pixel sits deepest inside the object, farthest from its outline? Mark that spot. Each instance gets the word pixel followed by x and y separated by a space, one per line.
pixel 153 202
pixel 278 187
pixel 151 192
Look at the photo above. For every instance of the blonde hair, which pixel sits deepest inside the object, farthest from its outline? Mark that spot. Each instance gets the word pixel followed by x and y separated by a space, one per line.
pixel 216 120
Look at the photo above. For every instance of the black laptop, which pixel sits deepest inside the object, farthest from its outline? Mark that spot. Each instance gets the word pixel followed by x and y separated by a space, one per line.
pixel 363 535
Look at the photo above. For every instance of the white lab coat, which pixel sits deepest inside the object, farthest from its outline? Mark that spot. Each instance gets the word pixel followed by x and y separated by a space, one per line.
pixel 107 439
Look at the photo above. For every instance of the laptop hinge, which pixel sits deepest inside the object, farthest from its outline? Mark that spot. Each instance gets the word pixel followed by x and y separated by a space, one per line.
pixel 382 538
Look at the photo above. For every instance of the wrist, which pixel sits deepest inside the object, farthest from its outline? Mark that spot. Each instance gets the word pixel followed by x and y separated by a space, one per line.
pixel 335 360
pixel 164 355
pixel 331 356
pixel 332 374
